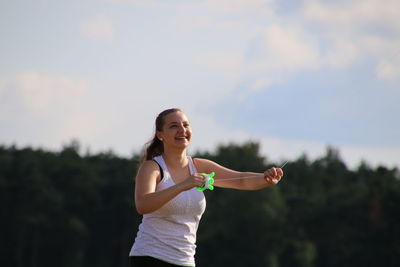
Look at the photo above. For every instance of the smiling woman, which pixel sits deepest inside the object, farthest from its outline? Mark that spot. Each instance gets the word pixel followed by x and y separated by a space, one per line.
pixel 166 195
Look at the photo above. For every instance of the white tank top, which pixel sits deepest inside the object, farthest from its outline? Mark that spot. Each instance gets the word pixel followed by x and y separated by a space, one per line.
pixel 169 233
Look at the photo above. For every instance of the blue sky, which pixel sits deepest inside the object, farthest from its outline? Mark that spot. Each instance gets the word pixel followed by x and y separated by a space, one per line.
pixel 295 76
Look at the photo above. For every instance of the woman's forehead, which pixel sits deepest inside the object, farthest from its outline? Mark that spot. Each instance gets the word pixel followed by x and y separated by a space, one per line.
pixel 176 117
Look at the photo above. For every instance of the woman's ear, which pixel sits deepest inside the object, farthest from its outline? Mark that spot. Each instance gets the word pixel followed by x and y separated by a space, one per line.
pixel 158 134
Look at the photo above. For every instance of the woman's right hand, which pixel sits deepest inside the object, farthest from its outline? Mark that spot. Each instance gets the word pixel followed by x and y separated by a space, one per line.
pixel 196 179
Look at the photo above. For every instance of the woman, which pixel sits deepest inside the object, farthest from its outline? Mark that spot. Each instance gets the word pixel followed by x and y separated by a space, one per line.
pixel 166 194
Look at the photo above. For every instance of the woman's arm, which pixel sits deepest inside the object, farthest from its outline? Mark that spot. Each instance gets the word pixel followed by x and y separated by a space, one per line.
pixel 147 199
pixel 258 181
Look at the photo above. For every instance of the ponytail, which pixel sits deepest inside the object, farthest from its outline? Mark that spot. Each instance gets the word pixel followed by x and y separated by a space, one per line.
pixel 154 148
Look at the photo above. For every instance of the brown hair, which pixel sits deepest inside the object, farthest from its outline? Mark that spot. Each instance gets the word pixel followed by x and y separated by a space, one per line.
pixel 155 147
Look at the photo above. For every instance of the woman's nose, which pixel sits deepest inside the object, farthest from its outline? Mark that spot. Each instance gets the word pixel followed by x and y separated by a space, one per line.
pixel 181 128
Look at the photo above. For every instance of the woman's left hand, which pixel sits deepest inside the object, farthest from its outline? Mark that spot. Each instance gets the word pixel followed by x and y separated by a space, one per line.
pixel 273 175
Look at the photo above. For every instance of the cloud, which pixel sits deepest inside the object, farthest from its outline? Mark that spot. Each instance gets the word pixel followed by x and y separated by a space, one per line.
pixel 283 48
pixel 356 30
pixel 341 54
pixel 36 92
pixel 387 70
pixel 98 28
pixel 263 46
pixel 233 6
pixel 311 37
pixel 354 15
pixel 271 55
pixel 218 6
pixel 140 3
pixel 45 109
pixel 276 53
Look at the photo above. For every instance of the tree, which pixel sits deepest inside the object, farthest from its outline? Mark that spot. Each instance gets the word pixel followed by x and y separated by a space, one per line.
pixel 69 210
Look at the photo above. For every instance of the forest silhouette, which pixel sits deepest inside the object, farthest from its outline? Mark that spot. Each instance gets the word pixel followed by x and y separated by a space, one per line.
pixel 73 209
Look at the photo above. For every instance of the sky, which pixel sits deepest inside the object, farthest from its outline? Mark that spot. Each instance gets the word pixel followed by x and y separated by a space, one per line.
pixel 296 76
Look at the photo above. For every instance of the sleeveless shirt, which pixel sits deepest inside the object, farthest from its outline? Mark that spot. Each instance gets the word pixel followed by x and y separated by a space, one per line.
pixel 169 233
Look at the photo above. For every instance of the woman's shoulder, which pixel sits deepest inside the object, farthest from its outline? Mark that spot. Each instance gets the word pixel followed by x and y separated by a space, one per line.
pixel 149 165
pixel 202 165
pixel 199 159
pixel 149 168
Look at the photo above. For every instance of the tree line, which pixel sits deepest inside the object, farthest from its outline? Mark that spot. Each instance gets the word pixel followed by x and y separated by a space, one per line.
pixel 70 209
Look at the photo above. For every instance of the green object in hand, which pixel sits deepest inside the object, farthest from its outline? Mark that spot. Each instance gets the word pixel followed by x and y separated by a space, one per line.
pixel 209 182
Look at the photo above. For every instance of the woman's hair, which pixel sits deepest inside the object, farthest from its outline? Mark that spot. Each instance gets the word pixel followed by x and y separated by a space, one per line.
pixel 155 147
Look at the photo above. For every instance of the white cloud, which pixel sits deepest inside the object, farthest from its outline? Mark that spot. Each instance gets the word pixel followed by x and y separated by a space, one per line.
pixel 353 14
pixel 387 70
pixel 45 109
pixel 387 54
pixel 140 3
pixel 342 33
pixel 342 53
pixel 98 28
pixel 286 48
pixel 269 49
pixel 268 56
pixel 315 35
pixel 128 1
pixel 356 30
pixel 233 6
pixel 277 53
pixel 37 92
pixel 223 16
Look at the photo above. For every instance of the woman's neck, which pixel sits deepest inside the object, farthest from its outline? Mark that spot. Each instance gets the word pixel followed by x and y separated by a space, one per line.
pixel 175 159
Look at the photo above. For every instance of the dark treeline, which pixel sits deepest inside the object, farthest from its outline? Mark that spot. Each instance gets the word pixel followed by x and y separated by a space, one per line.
pixel 67 209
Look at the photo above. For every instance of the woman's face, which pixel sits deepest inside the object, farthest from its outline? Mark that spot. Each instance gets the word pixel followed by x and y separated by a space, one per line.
pixel 176 130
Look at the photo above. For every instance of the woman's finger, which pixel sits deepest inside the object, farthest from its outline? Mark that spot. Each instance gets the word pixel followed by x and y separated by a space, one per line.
pixel 279 171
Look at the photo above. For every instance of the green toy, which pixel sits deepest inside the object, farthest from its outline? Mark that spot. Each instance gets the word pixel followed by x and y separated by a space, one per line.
pixel 209 182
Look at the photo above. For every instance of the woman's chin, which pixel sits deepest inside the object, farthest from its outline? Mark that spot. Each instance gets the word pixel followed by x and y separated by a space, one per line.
pixel 182 143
